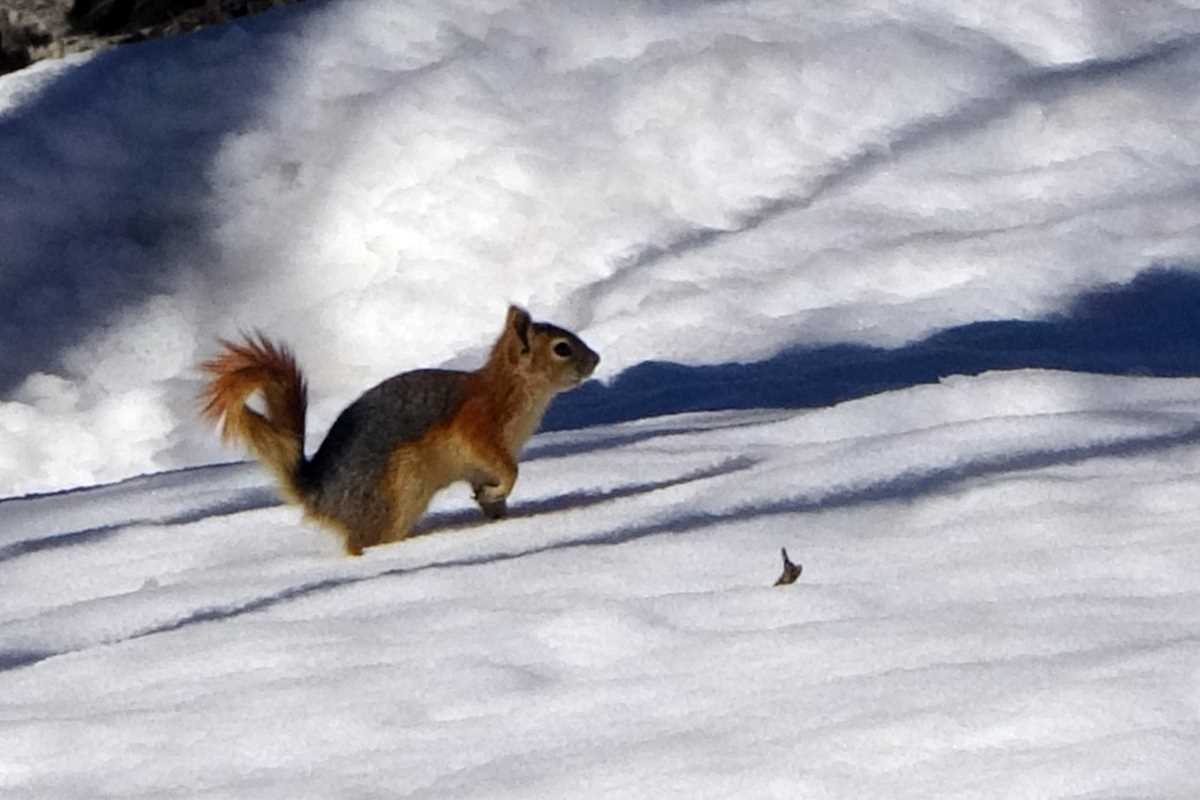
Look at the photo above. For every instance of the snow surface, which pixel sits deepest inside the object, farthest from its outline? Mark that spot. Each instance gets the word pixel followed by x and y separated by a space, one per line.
pixel 373 181
pixel 999 600
pixel 855 270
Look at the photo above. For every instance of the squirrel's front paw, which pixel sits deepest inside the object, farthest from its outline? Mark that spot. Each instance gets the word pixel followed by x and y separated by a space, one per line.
pixel 490 493
pixel 494 509
pixel 491 502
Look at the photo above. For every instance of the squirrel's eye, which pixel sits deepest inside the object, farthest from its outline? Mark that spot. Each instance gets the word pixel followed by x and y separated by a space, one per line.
pixel 562 350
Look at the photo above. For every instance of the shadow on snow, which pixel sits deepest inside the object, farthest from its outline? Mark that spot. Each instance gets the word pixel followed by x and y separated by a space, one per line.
pixel 112 164
pixel 898 488
pixel 245 500
pixel 1150 326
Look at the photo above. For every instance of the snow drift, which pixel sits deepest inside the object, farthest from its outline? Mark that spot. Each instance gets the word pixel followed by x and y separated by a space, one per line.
pixel 697 183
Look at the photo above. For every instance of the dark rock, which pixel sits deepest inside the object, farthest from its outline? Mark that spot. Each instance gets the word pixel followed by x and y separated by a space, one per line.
pixel 28 30
pixel 31 30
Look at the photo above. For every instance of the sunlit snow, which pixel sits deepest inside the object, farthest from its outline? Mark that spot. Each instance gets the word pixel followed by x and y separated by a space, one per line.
pixel 908 288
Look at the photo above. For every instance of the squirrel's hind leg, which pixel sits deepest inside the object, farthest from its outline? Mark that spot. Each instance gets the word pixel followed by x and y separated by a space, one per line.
pixel 355 541
pixel 410 503
pixel 408 488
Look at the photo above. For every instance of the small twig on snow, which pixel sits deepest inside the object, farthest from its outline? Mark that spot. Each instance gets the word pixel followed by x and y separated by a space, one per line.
pixel 790 571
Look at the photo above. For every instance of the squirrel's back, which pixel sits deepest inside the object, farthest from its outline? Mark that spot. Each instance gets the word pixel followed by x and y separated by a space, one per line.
pixel 343 476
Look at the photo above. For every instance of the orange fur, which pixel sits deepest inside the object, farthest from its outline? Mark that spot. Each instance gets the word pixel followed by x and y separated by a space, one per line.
pixel 276 439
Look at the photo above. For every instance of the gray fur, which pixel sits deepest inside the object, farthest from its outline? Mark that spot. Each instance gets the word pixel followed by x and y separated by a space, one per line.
pixel 342 478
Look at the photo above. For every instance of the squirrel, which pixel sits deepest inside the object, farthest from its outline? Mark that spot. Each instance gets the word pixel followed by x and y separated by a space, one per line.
pixel 403 440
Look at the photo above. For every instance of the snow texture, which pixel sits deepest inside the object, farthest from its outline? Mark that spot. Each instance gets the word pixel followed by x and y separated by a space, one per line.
pixel 374 182
pixel 906 287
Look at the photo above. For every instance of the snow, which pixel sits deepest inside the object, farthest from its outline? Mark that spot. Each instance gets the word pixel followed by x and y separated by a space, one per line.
pixel 993 604
pixel 375 184
pixel 908 288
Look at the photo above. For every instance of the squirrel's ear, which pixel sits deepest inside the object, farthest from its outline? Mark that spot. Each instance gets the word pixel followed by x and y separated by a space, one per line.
pixel 518 322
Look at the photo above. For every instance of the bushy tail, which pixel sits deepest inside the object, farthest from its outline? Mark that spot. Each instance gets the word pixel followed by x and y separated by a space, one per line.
pixel 276 438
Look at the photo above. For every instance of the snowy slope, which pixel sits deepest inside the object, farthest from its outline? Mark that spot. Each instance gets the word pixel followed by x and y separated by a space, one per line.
pixel 374 181
pixel 999 600
pixel 906 287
